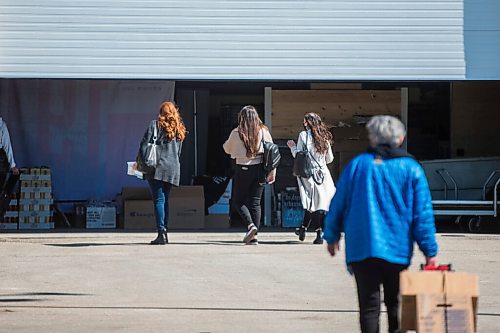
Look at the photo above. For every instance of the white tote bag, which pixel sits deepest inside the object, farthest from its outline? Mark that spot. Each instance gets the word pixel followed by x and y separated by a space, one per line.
pixel 151 158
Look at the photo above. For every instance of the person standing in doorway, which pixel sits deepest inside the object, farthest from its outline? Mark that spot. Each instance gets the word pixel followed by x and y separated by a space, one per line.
pixel 245 146
pixel 383 205
pixel 317 191
pixel 7 162
pixel 171 133
pixel 9 173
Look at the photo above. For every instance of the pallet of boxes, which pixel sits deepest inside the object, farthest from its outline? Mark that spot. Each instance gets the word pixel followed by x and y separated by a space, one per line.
pixel 35 199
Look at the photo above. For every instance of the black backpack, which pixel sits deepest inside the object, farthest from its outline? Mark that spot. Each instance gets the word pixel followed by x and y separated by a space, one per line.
pixel 302 165
pixel 271 158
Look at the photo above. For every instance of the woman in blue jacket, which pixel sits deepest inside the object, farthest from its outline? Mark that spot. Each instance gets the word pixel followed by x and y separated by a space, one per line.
pixel 382 205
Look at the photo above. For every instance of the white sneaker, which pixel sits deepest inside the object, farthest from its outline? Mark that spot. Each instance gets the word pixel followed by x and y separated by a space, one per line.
pixel 252 230
pixel 253 241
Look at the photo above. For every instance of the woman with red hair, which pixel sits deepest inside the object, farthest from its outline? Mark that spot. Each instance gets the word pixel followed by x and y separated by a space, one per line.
pixel 171 132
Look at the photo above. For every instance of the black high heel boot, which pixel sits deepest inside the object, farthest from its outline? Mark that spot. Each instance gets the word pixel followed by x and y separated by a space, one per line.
pixel 319 237
pixel 161 239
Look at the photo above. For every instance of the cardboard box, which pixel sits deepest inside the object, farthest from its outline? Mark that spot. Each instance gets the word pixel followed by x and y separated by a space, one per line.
pixel 187 210
pixel 217 221
pixel 433 301
pixel 101 217
pixel 138 211
pixel 138 214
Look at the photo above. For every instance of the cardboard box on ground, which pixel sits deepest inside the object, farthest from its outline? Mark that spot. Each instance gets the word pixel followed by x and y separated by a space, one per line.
pixel 100 216
pixel 187 209
pixel 435 301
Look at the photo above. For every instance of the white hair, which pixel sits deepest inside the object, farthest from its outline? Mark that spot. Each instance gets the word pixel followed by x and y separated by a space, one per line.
pixel 385 130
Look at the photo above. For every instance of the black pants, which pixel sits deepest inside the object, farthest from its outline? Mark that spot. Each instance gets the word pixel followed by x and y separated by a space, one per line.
pixel 315 218
pixel 247 193
pixel 4 168
pixel 370 274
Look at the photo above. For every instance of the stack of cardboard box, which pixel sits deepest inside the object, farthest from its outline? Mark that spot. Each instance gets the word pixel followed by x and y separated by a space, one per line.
pixel 35 201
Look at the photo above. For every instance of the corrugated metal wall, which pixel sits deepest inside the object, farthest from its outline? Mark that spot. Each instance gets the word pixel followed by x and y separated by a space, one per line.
pixel 233 39
pixel 482 39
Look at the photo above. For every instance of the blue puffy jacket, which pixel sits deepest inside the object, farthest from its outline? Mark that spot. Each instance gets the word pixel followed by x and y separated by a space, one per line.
pixel 382 206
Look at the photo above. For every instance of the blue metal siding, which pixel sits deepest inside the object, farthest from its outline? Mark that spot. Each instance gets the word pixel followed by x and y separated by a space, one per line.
pixel 233 39
pixel 482 39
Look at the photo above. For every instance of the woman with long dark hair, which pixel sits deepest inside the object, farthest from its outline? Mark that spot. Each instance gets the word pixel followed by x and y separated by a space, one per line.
pixel 245 146
pixel 317 191
pixel 171 133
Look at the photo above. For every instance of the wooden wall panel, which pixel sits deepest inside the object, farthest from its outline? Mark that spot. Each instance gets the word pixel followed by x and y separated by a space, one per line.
pixel 338 109
pixel 334 106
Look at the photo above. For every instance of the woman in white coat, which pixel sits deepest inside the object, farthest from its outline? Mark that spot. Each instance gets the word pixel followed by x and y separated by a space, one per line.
pixel 317 191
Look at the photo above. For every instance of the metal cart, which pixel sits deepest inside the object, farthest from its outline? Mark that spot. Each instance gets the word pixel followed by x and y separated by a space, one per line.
pixel 469 202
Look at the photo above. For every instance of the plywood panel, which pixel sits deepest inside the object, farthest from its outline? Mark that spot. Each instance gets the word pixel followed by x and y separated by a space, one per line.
pixel 336 107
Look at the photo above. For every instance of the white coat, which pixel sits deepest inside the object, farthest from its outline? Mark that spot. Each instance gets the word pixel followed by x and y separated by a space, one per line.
pixel 315 197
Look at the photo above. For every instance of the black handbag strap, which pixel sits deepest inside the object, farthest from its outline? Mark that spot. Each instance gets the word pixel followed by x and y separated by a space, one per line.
pixel 309 153
pixel 315 174
pixel 262 137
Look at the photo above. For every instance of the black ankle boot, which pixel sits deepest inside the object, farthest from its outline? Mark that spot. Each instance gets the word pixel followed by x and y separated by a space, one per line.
pixel 302 233
pixel 161 239
pixel 319 237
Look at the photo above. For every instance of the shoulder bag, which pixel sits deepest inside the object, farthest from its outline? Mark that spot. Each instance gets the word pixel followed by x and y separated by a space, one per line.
pixel 147 157
pixel 270 159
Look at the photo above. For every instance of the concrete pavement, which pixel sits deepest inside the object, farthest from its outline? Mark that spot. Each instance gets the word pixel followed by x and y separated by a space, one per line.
pixel 200 282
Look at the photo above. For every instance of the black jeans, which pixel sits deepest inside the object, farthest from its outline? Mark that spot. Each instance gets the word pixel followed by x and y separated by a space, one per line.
pixel 247 193
pixel 315 218
pixel 4 168
pixel 370 274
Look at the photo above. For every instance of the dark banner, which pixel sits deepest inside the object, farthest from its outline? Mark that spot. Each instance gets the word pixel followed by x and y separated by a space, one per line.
pixel 84 130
